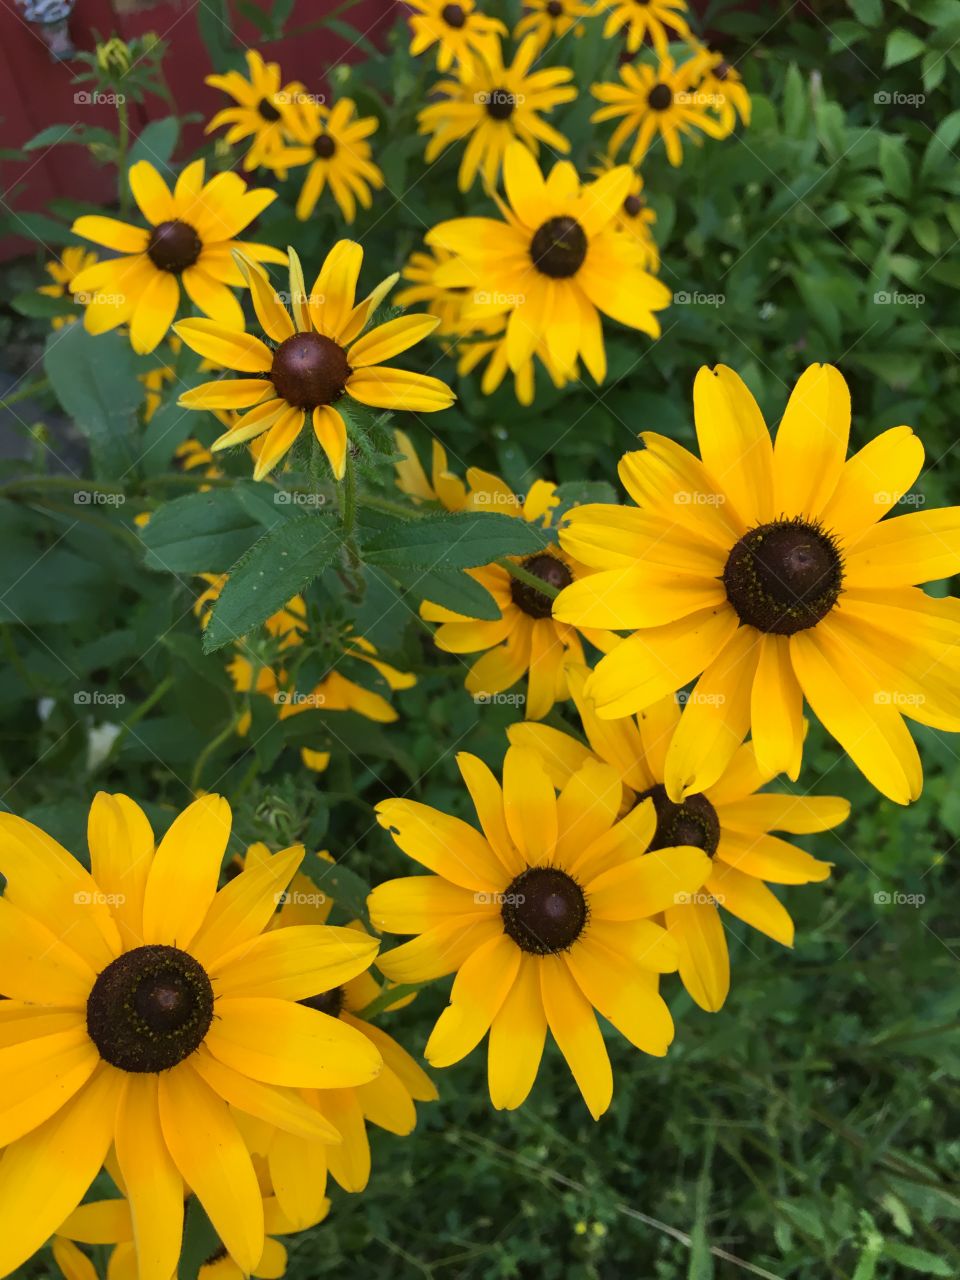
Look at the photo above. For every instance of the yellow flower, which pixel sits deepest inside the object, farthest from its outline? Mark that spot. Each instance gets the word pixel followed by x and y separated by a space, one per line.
pixel 721 87
pixel 263 108
pixel 769 573
pixel 475 348
pixel 655 101
pixel 333 142
pixel 143 1008
pixel 192 455
pixel 494 105
pixel 318 356
pixel 727 821
pixel 543 918
pixel 387 1102
pixel 62 270
pixel 636 218
pixel 190 240
pixel 553 265
pixel 525 640
pixel 443 486
pixel 549 20
pixel 457 30
pixel 639 20
pixel 445 304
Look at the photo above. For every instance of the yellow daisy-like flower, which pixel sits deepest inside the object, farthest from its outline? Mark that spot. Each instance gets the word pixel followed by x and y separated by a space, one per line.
pixel 493 105
pixel 333 142
pixel 317 356
pixel 190 241
pixel 554 265
pixel 263 108
pixel 721 87
pixel 458 30
pixel 543 918
pixel 549 20
pixel 636 218
pixel 61 271
pixel 525 640
pixel 475 348
pixel 655 101
pixel 142 1006
pixel 444 486
pixel 445 304
pixel 387 1102
pixel 640 20
pixel 727 821
pixel 769 573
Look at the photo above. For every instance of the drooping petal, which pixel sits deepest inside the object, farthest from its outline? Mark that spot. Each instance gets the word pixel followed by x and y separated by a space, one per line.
pixel 152 1183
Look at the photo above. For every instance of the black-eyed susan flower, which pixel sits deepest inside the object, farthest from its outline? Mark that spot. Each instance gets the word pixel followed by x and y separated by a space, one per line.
pixel 262 111
pixel 549 20
pixel 317 355
pixel 457 30
pixel 190 241
pixel 730 821
pixel 443 486
pixel 544 917
pixel 653 102
pixel 721 87
pixel 637 219
pixel 525 641
pixel 493 104
pixel 143 1007
pixel 768 574
pixel 553 265
pixel 487 341
pixel 642 20
pixel 389 1102
pixel 61 271
pixel 333 142
pixel 445 304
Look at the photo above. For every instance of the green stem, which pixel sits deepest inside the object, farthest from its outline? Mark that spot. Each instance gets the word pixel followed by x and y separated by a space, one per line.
pixel 348 498
pixel 530 579
pixel 388 997
pixel 123 143
pixel 222 737
pixel 389 508
pixel 148 703
pixel 32 389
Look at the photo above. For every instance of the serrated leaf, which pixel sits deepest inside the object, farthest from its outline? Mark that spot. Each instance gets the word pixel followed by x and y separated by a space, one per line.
pixel 279 565
pixel 453 589
pixel 908 1255
pixel 454 541
pixel 201 533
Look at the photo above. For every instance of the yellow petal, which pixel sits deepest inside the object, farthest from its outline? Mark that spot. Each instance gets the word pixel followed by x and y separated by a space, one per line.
pixel 811 444
pixel 228 347
pixel 115 235
pixel 331 433
pixel 151 193
pixel 517 1036
pixel 154 1187
pixel 183 878
pixel 574 1027
pixel 388 340
pixel 698 931
pixel 478 992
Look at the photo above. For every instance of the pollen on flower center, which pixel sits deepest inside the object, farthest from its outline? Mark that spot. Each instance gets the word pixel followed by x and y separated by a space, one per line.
pixel 149 1009
pixel 329 1002
pixel 454 16
pixel 784 576
pixel 694 822
pixel 174 246
pixel 544 911
pixel 309 370
pixel 559 247
pixel 548 569
pixel 325 146
pixel 268 111
pixel 660 97
pixel 500 104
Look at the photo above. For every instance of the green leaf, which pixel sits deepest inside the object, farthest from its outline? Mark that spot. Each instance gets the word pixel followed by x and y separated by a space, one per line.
pixel 95 380
pixel 901 47
pixel 40 306
pixel 927 234
pixel 452 589
pixel 938 158
pixel 454 541
pixel 201 533
pixel 348 890
pixel 156 143
pixel 795 102
pixel 46 231
pixel 276 568
pixel 908 1255
pixel 76 134
pixel 895 166
pixel 869 12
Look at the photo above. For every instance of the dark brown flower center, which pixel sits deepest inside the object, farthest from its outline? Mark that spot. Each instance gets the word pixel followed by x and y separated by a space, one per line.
pixel 268 111
pixel 555 8
pixel 784 577
pixel 149 1009
pixel 454 16
pixel 329 1002
pixel 544 911
pixel 500 104
pixel 660 97
pixel 633 205
pixel 694 822
pixel 722 70
pixel 174 246
pixel 309 369
pixel 324 146
pixel 549 569
pixel 559 247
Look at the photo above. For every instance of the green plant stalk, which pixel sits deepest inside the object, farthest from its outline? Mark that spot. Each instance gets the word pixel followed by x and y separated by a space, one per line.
pixel 123 144
pixel 148 704
pixel 32 389
pixel 530 579
pixel 347 497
